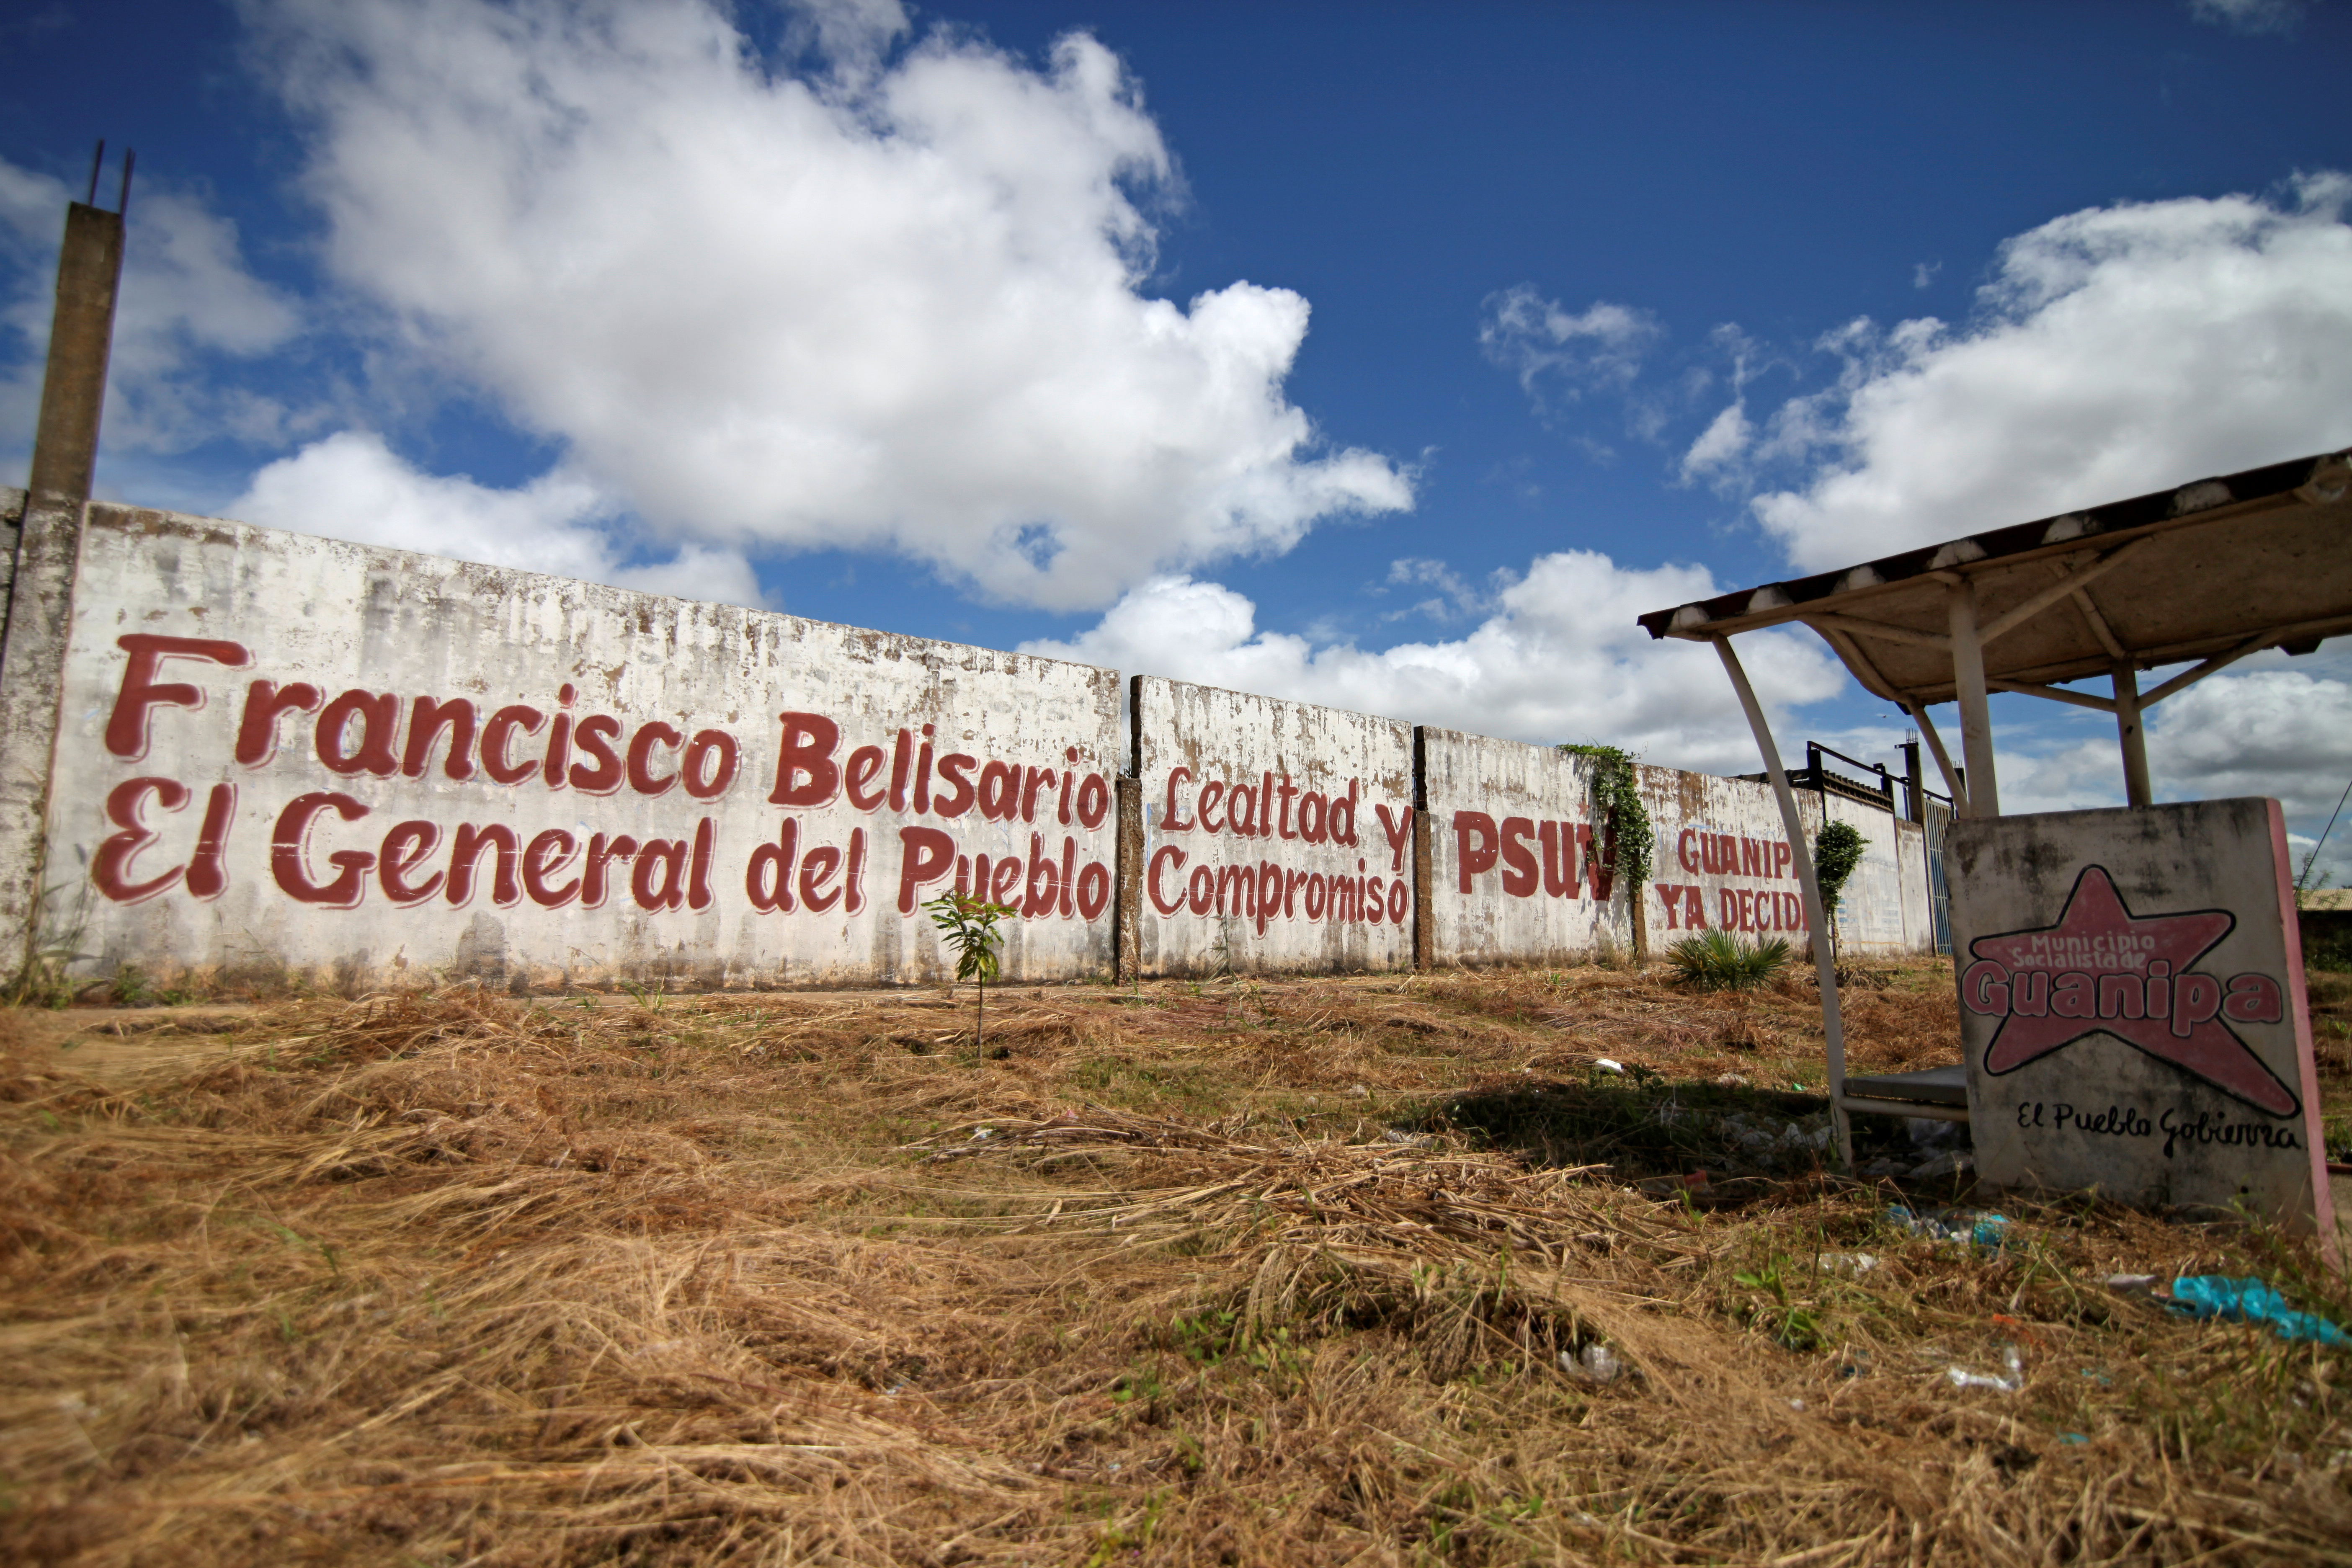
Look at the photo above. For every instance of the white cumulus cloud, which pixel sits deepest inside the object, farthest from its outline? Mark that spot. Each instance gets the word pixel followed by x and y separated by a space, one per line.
pixel 2278 732
pixel 1559 659
pixel 2284 730
pixel 1724 441
pixel 352 486
pixel 1546 345
pixel 2250 15
pixel 2116 351
pixel 897 304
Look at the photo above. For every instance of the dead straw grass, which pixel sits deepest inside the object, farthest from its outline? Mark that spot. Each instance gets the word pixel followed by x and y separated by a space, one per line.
pixel 1237 1273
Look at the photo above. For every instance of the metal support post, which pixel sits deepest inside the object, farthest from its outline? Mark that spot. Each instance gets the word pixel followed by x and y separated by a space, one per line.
pixel 1825 960
pixel 1955 782
pixel 1968 687
pixel 2129 730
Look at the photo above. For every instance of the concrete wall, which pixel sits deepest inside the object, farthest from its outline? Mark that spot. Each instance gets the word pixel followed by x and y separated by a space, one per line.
pixel 1871 919
pixel 232 755
pixel 1519 871
pixel 1275 834
pixel 12 527
pixel 1911 887
pixel 284 757
pixel 1724 862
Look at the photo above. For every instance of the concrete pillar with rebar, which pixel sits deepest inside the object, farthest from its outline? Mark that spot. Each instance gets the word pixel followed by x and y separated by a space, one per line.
pixel 48 553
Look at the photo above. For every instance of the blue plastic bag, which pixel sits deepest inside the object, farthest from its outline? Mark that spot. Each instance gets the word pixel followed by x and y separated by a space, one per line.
pixel 2250 1301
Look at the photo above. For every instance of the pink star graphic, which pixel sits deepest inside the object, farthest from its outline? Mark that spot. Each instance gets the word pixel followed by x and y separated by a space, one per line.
pixel 2103 969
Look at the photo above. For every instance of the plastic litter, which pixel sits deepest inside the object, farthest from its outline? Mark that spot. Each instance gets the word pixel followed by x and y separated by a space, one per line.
pixel 1595 1363
pixel 1931 1136
pixel 1849 1262
pixel 1937 1149
pixel 1605 1065
pixel 1976 1226
pixel 1770 1140
pixel 1963 1378
pixel 1950 1162
pixel 2131 1284
pixel 2250 1301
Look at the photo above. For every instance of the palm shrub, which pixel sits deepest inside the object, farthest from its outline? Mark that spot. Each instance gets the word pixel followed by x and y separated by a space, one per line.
pixel 1721 960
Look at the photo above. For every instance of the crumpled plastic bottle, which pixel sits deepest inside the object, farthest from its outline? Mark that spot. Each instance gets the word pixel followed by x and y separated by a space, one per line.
pixel 1963 1378
pixel 1596 1363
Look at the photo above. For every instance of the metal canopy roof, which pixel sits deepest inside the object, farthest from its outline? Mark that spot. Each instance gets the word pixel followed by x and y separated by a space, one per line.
pixel 2211 571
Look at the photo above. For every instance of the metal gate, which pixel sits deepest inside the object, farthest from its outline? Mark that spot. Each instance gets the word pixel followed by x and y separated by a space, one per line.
pixel 1938 820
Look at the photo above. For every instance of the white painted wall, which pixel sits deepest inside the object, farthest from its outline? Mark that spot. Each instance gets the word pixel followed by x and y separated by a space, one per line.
pixel 252 781
pixel 1723 852
pixel 1518 869
pixel 371 632
pixel 1870 912
pixel 1911 885
pixel 1317 872
pixel 1723 860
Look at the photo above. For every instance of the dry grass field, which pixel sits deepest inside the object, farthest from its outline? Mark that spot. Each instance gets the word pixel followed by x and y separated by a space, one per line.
pixel 1282 1272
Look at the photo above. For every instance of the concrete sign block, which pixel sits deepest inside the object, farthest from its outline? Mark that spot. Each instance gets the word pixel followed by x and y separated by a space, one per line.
pixel 2132 1007
pixel 1276 835
pixel 1520 866
pixel 280 757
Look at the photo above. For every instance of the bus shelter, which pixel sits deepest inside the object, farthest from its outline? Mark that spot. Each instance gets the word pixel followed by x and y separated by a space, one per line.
pixel 2199 576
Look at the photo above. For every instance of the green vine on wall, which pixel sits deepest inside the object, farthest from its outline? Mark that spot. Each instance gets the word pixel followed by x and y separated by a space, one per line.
pixel 1631 840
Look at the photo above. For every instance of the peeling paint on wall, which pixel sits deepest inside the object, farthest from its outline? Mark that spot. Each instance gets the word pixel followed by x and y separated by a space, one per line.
pixel 1724 862
pixel 246 757
pixel 1276 835
pixel 1520 870
pixel 284 758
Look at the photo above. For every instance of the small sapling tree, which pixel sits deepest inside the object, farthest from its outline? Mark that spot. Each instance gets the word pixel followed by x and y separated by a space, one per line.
pixel 1837 850
pixel 968 926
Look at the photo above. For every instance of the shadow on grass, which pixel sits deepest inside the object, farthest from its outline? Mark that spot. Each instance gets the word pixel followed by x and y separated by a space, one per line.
pixel 1647 1128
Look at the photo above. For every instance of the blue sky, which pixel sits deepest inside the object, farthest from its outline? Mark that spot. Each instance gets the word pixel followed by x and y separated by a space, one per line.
pixel 1386 356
